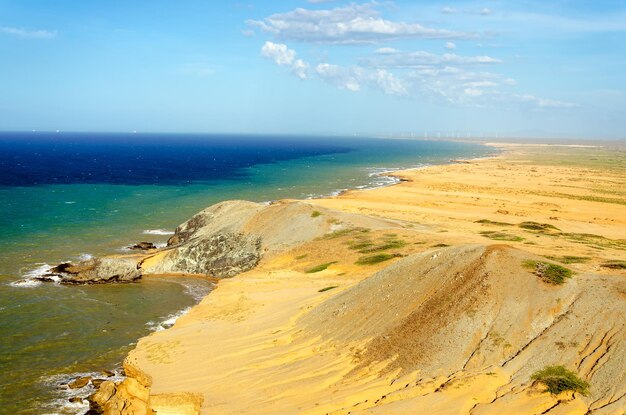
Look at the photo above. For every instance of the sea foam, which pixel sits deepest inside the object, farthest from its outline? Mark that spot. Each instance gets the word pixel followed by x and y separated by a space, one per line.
pixel 157 232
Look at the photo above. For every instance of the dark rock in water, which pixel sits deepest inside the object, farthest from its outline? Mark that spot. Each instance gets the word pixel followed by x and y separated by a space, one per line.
pixel 97 382
pixel 45 278
pixel 143 246
pixel 95 271
pixel 79 382
pixel 61 268
pixel 108 373
pixel 76 399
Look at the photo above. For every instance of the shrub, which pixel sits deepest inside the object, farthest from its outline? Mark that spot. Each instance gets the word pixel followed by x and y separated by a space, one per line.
pixel 331 287
pixel 536 226
pixel 569 259
pixel 558 379
pixel 375 259
pixel 614 265
pixel 550 273
pixel 319 268
pixel 315 213
pixel 391 244
pixel 492 222
pixel 501 236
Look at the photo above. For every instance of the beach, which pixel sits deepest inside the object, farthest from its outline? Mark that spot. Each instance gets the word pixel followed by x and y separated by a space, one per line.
pixel 447 317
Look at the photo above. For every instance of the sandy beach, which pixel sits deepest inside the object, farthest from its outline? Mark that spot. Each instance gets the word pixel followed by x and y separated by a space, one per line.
pixel 411 298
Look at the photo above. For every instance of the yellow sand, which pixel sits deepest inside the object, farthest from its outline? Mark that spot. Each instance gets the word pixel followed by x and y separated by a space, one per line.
pixel 242 351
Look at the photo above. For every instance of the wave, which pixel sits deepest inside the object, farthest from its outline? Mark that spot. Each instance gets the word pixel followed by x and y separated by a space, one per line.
pixel 169 321
pixel 62 404
pixel 29 278
pixel 157 232
pixel 196 289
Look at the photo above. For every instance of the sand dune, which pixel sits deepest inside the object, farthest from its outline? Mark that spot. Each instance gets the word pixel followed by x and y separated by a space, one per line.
pixel 319 327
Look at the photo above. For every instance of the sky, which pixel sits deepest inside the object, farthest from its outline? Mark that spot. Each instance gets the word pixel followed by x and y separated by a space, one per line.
pixel 458 68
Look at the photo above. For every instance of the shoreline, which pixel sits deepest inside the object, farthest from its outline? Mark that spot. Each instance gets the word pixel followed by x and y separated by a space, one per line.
pixel 341 202
pixel 279 291
pixel 27 281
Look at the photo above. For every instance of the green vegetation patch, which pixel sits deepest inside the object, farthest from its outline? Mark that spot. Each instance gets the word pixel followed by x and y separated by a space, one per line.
pixel 614 264
pixel 501 236
pixel 597 241
pixel 536 226
pixel 550 273
pixel 558 379
pixel 302 256
pixel 331 287
pixel 345 232
pixel 375 259
pixel 491 222
pixel 390 244
pixel 316 213
pixel 365 245
pixel 440 245
pixel 319 268
pixel 569 259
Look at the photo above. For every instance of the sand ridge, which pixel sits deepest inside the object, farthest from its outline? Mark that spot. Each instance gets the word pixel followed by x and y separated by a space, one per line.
pixel 452 322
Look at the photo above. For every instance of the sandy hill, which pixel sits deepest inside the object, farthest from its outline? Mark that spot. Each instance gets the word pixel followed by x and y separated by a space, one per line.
pixel 454 330
pixel 442 295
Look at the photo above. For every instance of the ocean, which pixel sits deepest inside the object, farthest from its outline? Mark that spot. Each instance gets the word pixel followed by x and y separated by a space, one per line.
pixel 67 196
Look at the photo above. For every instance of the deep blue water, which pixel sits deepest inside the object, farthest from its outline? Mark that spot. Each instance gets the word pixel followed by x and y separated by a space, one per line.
pixel 29 159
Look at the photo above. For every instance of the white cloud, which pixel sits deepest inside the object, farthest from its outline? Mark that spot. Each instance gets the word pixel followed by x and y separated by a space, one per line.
pixel 278 52
pixel 300 68
pixel 451 10
pixel 396 59
pixel 354 77
pixel 480 84
pixel 386 51
pixel 352 24
pixel 450 45
pixel 34 34
pixel 473 92
pixel 339 76
pixel 283 56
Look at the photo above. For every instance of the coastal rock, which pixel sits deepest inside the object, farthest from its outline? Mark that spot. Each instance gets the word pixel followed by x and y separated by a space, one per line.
pixel 143 246
pixel 129 397
pixel 76 399
pixel 97 382
pixel 95 271
pixel 79 382
pixel 231 237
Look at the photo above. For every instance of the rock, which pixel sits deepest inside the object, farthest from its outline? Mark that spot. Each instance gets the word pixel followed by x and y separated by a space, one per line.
pixel 98 400
pixel 95 271
pixel 143 246
pixel 76 399
pixel 223 255
pixel 108 373
pixel 97 382
pixel 79 382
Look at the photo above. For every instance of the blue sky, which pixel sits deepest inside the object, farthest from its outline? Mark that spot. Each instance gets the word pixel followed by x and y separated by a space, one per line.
pixel 524 68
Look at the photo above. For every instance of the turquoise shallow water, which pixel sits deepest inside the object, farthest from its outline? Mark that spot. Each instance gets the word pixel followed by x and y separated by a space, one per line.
pixel 48 332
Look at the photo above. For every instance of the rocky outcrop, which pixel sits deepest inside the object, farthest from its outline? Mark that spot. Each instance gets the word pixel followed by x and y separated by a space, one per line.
pixel 231 237
pixel 95 271
pixel 127 398
pixel 142 246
